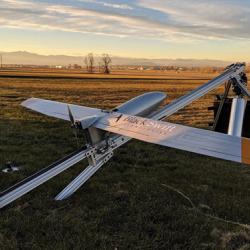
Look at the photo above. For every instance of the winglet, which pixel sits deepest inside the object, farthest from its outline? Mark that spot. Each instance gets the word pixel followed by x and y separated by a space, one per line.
pixel 245 150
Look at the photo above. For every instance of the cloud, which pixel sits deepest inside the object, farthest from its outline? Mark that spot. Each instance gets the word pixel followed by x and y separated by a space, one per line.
pixel 116 6
pixel 220 18
pixel 178 21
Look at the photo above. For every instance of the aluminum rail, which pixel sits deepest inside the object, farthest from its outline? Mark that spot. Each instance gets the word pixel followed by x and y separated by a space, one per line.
pixel 16 191
pixel 87 173
pixel 231 72
pixel 36 180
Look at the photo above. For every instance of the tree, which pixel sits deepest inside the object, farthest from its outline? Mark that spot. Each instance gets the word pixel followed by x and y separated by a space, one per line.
pixel 106 63
pixel 89 61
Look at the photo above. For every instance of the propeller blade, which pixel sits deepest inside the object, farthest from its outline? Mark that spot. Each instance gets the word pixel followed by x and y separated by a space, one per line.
pixel 71 117
pixel 74 126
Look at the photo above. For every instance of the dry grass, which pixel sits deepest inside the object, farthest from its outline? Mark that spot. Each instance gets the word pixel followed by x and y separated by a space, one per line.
pixel 108 93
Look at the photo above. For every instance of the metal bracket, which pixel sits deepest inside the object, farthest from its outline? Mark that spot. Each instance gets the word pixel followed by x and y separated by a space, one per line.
pixel 83 177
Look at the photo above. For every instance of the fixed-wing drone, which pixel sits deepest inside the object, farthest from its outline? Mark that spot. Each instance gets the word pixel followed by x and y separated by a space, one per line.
pixel 140 118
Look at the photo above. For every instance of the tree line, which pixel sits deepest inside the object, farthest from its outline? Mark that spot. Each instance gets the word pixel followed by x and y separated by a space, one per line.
pixel 104 64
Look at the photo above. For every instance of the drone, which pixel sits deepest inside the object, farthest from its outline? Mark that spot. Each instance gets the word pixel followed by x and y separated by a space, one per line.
pixel 140 118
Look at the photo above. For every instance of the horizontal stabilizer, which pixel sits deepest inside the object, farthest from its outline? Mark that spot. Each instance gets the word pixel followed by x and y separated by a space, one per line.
pixel 195 140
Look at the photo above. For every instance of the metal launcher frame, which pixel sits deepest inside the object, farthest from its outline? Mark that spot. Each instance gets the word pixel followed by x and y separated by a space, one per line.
pixel 100 148
pixel 230 112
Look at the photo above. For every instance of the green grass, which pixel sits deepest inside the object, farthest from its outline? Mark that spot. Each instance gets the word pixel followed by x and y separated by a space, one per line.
pixel 126 205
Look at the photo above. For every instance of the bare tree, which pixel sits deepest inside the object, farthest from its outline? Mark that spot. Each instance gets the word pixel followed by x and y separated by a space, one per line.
pixel 99 67
pixel 106 63
pixel 89 61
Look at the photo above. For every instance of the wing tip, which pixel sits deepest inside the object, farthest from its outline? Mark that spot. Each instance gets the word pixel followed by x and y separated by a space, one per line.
pixel 27 103
pixel 245 150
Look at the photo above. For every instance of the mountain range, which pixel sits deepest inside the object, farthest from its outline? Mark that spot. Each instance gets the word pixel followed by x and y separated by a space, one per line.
pixel 27 58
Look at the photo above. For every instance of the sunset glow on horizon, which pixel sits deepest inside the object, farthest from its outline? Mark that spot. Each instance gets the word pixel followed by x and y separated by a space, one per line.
pixel 216 29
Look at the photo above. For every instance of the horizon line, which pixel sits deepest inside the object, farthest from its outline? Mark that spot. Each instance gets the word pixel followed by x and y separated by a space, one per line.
pixel 119 56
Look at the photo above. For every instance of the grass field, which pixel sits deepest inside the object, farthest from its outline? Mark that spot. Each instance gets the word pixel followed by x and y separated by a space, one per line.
pixel 146 197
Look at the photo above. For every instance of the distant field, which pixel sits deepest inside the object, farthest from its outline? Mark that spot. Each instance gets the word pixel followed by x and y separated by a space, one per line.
pixel 66 73
pixel 128 204
pixel 90 89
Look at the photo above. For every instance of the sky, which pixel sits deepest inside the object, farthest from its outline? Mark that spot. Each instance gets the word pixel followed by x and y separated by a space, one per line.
pixel 200 29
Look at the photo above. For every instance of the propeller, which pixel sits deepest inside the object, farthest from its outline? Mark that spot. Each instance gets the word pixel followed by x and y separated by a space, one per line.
pixel 71 117
pixel 74 125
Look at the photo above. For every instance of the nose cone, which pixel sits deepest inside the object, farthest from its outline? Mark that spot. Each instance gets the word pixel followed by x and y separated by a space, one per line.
pixel 157 95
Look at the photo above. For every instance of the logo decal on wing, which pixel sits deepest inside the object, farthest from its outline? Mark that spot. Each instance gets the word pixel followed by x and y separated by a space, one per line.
pixel 119 117
pixel 155 126
pixel 122 121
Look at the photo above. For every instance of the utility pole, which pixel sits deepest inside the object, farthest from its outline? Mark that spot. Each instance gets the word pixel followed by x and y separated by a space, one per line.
pixel 1 61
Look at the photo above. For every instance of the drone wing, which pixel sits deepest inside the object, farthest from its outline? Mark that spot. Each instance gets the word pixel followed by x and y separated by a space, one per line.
pixel 58 109
pixel 177 136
